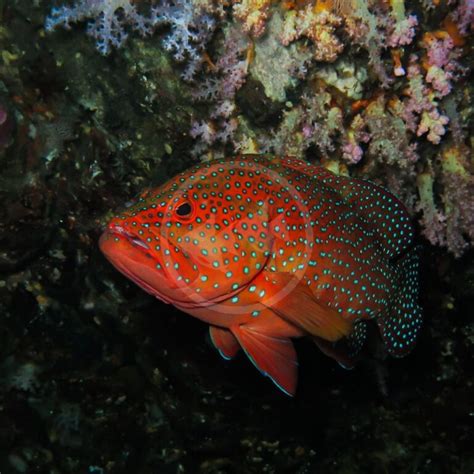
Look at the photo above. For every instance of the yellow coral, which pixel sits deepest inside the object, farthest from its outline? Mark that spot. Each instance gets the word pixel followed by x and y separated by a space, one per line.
pixel 453 160
pixel 253 14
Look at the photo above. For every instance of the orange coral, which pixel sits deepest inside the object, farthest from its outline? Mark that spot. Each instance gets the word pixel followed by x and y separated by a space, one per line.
pixel 323 5
pixel 398 69
pixel 453 31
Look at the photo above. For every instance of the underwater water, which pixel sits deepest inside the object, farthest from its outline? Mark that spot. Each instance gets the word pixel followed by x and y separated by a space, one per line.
pixel 101 100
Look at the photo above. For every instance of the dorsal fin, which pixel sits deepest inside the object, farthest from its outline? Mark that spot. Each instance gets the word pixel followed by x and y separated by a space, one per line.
pixel 378 207
pixel 380 210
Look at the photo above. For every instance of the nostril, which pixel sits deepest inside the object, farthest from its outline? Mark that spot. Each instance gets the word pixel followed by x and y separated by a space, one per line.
pixel 115 228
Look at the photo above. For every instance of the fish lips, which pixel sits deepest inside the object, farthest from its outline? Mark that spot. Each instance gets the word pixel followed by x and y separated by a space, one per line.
pixel 130 255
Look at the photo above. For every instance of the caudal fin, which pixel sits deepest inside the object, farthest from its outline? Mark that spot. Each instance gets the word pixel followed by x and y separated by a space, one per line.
pixel 400 325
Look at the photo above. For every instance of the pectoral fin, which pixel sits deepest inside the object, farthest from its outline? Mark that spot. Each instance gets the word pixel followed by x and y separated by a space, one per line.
pixel 224 341
pixel 294 302
pixel 275 357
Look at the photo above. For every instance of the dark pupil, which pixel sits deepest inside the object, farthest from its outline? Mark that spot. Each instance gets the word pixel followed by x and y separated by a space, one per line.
pixel 183 209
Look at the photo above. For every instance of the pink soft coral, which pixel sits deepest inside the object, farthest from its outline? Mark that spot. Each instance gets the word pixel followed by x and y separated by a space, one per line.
pixel 464 16
pixel 433 123
pixel 352 152
pixel 403 32
pixel 320 27
pixel 441 60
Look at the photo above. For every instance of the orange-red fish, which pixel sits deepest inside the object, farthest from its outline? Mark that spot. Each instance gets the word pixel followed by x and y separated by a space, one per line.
pixel 266 249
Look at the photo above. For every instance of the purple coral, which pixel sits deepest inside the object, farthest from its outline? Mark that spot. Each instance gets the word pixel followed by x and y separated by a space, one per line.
pixel 204 130
pixel 403 32
pixel 230 73
pixel 448 222
pixel 108 19
pixel 464 16
pixel 443 66
pixel 191 26
pixel 458 199
pixel 439 50
pixel 420 109
pixel 352 152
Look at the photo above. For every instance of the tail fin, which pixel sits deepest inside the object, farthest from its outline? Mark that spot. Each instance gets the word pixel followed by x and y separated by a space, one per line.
pixel 401 323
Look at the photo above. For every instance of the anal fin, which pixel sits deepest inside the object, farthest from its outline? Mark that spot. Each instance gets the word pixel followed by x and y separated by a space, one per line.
pixel 275 357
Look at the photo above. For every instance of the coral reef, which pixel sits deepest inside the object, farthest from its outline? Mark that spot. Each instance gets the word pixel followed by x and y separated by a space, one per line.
pixel 396 78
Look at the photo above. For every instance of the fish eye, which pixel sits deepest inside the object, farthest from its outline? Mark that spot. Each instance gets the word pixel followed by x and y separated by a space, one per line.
pixel 184 209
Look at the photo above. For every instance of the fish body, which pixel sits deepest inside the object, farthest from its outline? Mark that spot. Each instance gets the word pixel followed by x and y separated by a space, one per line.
pixel 266 249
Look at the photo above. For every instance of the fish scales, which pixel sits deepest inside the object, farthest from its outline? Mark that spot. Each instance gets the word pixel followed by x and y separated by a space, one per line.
pixel 265 249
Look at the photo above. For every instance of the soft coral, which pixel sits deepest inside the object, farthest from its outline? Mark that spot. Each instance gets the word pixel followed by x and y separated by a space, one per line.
pixel 191 25
pixel 108 19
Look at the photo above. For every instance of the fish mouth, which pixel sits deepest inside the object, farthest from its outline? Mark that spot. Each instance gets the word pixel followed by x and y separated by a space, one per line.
pixel 129 236
pixel 134 258
pixel 129 254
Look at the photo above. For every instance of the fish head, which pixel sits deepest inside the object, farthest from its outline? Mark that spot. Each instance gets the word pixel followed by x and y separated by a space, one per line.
pixel 196 240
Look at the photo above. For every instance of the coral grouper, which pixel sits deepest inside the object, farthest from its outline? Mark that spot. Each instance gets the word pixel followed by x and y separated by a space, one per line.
pixel 265 249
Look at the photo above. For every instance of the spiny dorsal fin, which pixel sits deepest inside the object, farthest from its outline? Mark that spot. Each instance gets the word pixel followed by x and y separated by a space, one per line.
pixel 380 210
pixel 378 207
